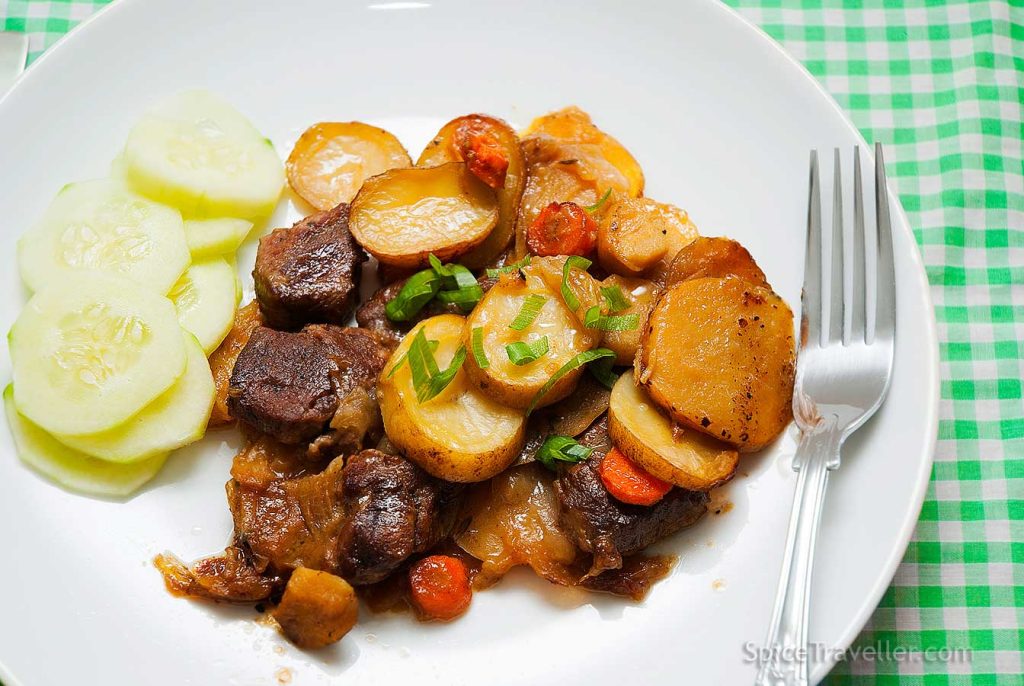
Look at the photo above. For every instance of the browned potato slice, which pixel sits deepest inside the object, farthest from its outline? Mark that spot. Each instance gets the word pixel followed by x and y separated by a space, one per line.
pixel 403 215
pixel 640 294
pixel 718 355
pixel 586 287
pixel 459 435
pixel 686 458
pixel 638 236
pixel 447 146
pixel 331 160
pixel 513 385
pixel 317 608
pixel 714 256
pixel 568 159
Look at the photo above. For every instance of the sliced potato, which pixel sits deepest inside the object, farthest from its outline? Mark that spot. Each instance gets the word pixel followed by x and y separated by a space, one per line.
pixel 640 294
pixel 719 356
pixel 686 458
pixel 459 435
pixel 331 160
pixel 709 256
pixel 638 236
pixel 586 288
pixel 403 215
pixel 449 145
pixel 506 382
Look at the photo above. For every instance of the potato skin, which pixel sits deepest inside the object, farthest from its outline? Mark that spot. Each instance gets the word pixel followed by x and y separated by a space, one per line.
pixel 719 356
pixel 714 257
pixel 441 150
pixel 403 215
pixel 640 293
pixel 640 237
pixel 461 435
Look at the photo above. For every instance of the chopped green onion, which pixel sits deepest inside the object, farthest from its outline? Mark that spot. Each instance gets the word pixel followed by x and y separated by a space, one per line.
pixel 593 319
pixel 417 291
pixel 616 300
pixel 597 205
pixel 532 306
pixel 567 295
pixel 453 276
pixel 521 353
pixel 398 363
pixel 573 364
pixel 427 379
pixel 478 348
pixel 509 268
pixel 602 371
pixel 465 298
pixel 561 449
pixel 438 382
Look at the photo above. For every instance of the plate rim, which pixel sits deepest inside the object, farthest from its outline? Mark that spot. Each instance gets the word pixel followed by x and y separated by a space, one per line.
pixel 907 527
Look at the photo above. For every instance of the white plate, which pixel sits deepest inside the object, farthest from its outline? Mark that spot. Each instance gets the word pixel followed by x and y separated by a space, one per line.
pixel 721 120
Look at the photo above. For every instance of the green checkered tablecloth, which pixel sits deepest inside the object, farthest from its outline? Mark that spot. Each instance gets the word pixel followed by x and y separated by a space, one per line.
pixel 941 84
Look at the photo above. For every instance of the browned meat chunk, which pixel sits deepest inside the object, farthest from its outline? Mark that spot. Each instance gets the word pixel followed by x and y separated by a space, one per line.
pixel 392 510
pixel 608 528
pixel 310 272
pixel 291 523
pixel 233 577
pixel 317 609
pixel 298 386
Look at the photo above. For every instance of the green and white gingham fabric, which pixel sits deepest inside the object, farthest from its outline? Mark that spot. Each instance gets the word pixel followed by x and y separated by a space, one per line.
pixel 941 84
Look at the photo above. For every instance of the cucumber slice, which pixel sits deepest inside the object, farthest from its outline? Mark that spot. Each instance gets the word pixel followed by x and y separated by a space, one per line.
pixel 213 237
pixel 206 297
pixel 176 418
pixel 90 352
pixel 101 226
pixel 70 468
pixel 196 152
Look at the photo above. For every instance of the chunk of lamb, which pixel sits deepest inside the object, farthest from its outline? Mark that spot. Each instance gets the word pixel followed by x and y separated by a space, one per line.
pixel 608 528
pixel 318 383
pixel 310 272
pixel 393 509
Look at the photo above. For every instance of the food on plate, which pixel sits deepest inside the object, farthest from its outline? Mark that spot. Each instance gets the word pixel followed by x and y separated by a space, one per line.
pixel 89 352
pixel 331 160
pixel 640 237
pixel 552 371
pixel 708 256
pixel 436 416
pixel 176 418
pixel 222 360
pixel 491 150
pixel 719 356
pixel 102 227
pixel 316 609
pixel 215 237
pixel 310 272
pixel 315 385
pixel 687 458
pixel 195 152
pixel 70 468
pixel 205 298
pixel 403 215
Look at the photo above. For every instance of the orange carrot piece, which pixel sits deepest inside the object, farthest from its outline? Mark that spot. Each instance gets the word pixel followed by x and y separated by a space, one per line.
pixel 630 483
pixel 482 152
pixel 562 229
pixel 439 587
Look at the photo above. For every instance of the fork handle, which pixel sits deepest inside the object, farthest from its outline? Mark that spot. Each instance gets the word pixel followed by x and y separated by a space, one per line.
pixel 784 662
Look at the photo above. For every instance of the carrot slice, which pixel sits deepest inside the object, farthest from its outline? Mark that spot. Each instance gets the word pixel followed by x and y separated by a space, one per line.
pixel 562 229
pixel 630 483
pixel 439 587
pixel 482 152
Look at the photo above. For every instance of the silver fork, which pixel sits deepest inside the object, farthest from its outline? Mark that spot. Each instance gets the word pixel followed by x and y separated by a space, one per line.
pixel 843 369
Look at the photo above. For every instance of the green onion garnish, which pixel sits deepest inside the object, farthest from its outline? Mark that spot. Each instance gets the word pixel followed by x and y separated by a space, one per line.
pixel 561 449
pixel 593 319
pixel 573 364
pixel 597 205
pixel 415 293
pixel 477 344
pixel 440 381
pixel 398 363
pixel 614 298
pixel 509 268
pixel 521 353
pixel 427 379
pixel 532 306
pixel 567 295
pixel 465 298
pixel 602 371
